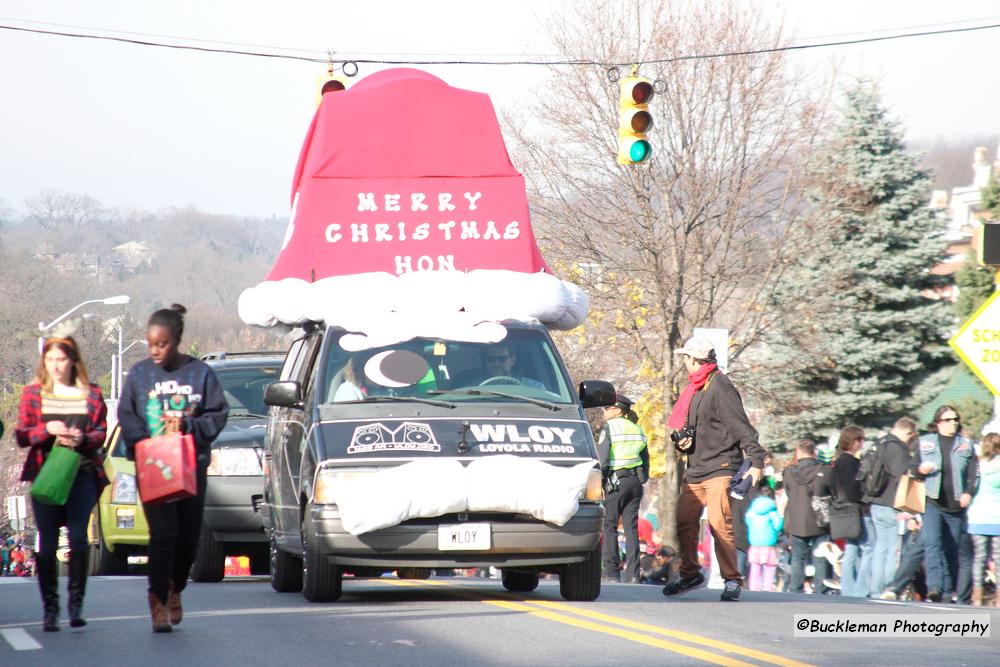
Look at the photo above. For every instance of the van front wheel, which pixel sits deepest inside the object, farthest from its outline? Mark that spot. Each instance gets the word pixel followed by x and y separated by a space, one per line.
pixel 286 570
pixel 581 582
pixel 321 580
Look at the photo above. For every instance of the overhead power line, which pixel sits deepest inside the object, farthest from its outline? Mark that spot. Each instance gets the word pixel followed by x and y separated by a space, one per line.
pixel 571 62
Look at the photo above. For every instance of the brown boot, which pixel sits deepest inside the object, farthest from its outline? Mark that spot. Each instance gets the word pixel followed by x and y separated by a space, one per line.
pixel 160 615
pixel 174 606
pixel 977 596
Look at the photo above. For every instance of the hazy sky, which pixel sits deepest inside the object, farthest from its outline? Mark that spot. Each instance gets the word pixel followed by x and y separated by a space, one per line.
pixel 149 128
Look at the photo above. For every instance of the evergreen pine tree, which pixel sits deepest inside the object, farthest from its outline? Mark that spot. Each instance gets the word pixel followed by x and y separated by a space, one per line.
pixel 859 330
pixel 975 285
pixel 990 197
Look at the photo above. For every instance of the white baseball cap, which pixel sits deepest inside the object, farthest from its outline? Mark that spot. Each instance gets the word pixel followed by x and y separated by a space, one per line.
pixel 697 348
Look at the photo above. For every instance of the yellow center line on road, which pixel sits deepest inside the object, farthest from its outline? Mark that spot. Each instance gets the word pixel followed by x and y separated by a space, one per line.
pixel 769 658
pixel 631 634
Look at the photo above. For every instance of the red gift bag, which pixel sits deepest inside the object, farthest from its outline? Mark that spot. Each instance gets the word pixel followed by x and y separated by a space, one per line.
pixel 166 468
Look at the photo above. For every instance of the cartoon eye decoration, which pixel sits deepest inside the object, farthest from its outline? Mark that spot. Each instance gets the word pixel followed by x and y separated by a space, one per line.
pixel 396 368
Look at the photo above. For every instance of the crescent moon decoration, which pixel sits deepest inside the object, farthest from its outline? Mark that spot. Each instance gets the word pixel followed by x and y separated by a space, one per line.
pixel 396 368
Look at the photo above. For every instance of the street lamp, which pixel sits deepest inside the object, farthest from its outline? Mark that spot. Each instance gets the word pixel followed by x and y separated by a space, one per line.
pixel 119 300
pixel 117 368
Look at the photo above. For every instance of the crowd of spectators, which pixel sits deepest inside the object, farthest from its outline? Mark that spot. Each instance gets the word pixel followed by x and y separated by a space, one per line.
pixel 946 553
pixel 16 557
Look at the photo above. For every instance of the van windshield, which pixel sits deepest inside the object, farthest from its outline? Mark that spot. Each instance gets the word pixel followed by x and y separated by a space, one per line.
pixel 523 365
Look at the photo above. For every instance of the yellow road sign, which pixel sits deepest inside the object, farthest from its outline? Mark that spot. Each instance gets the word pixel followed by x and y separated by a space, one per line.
pixel 978 343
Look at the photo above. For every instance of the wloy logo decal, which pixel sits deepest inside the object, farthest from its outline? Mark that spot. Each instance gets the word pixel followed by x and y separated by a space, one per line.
pixel 379 437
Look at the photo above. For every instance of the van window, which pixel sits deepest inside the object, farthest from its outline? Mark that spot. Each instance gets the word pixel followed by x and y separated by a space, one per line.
pixel 523 364
pixel 288 368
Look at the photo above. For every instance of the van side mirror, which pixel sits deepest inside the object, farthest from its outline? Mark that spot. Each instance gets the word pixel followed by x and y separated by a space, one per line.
pixel 597 393
pixel 285 394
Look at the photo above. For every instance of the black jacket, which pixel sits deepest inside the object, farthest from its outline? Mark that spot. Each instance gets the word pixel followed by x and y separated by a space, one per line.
pixel 803 480
pixel 845 484
pixel 723 434
pixel 896 458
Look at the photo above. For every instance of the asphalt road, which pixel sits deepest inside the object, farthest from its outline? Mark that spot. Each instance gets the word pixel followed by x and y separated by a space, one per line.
pixel 454 621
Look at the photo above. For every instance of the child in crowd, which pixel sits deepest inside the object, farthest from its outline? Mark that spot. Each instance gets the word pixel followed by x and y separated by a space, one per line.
pixel 764 526
pixel 984 516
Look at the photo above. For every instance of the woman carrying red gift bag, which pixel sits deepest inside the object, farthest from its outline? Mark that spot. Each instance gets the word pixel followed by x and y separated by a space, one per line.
pixel 169 394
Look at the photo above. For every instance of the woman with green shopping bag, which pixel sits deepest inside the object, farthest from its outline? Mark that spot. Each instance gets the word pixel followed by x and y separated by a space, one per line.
pixel 62 409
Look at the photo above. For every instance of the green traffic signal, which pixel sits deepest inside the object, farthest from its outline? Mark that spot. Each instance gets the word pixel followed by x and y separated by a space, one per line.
pixel 639 151
pixel 634 120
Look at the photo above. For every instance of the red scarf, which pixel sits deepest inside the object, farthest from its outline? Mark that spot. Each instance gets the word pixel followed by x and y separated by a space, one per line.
pixel 696 380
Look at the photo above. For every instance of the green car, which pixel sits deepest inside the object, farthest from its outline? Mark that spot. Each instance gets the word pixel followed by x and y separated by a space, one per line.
pixel 118 525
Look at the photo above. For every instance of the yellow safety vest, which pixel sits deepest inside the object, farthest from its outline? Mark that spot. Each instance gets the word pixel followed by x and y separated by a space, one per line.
pixel 627 442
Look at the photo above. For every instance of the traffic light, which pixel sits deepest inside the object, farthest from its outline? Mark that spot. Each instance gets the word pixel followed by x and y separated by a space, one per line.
pixel 328 84
pixel 634 120
pixel 989 244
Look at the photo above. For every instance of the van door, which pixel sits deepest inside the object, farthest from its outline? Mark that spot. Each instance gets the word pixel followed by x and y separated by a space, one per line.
pixel 297 426
pixel 286 434
pixel 282 424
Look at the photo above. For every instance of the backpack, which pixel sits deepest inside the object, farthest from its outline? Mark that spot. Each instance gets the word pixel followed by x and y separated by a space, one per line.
pixel 872 473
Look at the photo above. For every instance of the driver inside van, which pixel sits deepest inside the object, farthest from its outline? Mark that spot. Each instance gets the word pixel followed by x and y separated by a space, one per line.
pixel 353 387
pixel 498 365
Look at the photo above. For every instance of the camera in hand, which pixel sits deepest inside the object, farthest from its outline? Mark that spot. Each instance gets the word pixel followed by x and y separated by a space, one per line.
pixel 681 434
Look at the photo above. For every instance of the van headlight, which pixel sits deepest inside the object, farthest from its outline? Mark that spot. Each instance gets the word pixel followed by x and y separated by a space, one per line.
pixel 235 461
pixel 123 491
pixel 327 480
pixel 595 487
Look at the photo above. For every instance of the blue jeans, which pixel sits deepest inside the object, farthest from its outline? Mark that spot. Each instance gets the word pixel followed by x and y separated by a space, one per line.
pixel 801 548
pixel 909 563
pixel 855 569
pixel 74 515
pixel 887 541
pixel 941 534
pixel 963 586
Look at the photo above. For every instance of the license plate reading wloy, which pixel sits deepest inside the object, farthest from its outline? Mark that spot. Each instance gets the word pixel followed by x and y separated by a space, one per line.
pixel 464 537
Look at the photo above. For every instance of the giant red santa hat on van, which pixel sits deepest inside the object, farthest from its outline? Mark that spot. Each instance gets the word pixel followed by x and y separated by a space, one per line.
pixel 406 211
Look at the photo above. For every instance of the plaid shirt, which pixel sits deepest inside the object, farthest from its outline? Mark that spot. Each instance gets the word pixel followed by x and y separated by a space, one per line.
pixel 31 432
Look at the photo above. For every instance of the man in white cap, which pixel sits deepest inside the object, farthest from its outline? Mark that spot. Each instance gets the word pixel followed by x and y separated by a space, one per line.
pixel 712 429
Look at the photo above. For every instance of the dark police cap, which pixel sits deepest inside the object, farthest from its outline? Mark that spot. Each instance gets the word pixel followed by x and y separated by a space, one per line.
pixel 624 402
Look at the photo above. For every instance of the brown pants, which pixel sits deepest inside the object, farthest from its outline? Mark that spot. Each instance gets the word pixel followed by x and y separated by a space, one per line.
pixel 714 493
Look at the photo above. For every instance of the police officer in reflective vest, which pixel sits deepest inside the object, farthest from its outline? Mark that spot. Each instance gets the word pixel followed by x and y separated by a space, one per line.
pixel 624 458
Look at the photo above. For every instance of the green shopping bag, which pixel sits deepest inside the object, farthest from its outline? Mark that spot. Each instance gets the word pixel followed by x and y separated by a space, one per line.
pixel 56 477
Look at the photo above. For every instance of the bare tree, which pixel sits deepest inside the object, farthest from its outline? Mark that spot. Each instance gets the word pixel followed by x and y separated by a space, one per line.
pixel 51 209
pixel 700 234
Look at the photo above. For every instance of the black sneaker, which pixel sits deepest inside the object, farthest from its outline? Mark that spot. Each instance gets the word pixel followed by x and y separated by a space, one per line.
pixel 731 593
pixel 684 584
pixel 934 595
